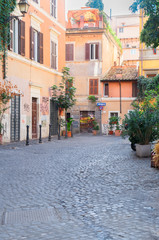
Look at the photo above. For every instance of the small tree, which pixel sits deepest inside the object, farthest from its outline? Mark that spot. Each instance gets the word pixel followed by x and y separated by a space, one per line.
pixel 64 94
pixel 95 4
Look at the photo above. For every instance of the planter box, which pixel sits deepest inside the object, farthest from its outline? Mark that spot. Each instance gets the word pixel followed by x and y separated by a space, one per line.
pixel 94 132
pixel 117 133
pixel 111 132
pixel 143 150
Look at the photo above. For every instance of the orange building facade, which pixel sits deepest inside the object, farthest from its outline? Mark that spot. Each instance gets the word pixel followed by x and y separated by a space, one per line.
pixel 119 89
pixel 35 61
pixel 90 52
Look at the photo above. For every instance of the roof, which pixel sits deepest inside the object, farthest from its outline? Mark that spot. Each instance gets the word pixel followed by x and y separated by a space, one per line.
pixel 124 73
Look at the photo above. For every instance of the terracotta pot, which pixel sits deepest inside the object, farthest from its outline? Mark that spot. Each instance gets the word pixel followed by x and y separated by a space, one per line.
pixel 60 111
pixel 143 150
pixel 63 133
pixel 117 133
pixel 69 133
pixel 111 132
pixel 0 139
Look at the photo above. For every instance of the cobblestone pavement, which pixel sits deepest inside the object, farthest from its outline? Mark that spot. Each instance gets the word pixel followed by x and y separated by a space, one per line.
pixel 85 188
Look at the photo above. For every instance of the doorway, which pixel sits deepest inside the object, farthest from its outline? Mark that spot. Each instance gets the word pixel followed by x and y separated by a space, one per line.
pixel 53 118
pixel 86 121
pixel 15 119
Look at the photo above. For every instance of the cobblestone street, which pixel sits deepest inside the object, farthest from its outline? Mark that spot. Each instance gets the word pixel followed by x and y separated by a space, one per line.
pixel 84 188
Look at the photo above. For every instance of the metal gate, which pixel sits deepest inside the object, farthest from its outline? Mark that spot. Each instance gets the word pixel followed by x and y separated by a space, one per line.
pixel 53 117
pixel 15 119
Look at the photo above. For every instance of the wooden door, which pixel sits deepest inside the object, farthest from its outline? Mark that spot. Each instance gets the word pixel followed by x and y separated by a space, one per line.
pixel 34 118
pixel 53 118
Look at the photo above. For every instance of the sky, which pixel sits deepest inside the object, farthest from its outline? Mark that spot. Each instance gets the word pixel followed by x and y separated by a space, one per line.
pixel 118 6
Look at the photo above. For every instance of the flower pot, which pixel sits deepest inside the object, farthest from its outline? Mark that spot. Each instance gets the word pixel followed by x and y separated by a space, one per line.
pixel 117 133
pixel 63 133
pixel 111 132
pixel 143 150
pixel 60 111
pixel 69 133
pixel 94 132
pixel 1 139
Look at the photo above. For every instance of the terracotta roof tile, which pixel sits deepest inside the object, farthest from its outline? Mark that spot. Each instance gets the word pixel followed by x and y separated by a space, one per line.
pixel 122 73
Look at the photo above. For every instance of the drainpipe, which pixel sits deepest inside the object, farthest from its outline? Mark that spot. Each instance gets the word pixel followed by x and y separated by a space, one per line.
pixel 142 47
pixel 120 97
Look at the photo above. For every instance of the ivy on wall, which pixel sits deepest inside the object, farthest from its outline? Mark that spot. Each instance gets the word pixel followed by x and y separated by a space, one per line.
pixel 6 8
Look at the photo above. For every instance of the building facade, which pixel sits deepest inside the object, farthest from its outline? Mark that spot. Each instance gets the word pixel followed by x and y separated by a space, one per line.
pixel 36 57
pixel 90 52
pixel 119 90
pixel 127 30
pixel 149 57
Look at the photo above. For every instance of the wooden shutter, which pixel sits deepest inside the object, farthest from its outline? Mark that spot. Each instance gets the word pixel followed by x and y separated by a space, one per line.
pixel 10 47
pixel 87 51
pixel 106 90
pixel 53 55
pixel 69 52
pixel 40 47
pixel 134 89
pixel 31 43
pixel 97 51
pixel 21 39
pixel 93 86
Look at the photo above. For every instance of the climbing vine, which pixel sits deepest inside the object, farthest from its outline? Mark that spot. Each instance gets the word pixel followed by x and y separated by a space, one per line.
pixel 6 8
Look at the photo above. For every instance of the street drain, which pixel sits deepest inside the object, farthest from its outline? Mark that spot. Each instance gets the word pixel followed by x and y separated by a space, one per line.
pixel 28 216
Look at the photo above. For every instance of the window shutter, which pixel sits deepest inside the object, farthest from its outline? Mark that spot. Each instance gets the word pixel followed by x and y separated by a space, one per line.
pixel 97 51
pixel 31 43
pixel 21 39
pixel 69 52
pixel 10 47
pixel 134 89
pixel 90 86
pixel 95 86
pixel 40 47
pixel 87 51
pixel 106 89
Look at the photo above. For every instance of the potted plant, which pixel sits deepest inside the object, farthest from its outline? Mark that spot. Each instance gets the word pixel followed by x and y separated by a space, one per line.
pixel 69 123
pixel 92 98
pixel 112 122
pixel 142 127
pixel 155 156
pixel 117 130
pixel 95 128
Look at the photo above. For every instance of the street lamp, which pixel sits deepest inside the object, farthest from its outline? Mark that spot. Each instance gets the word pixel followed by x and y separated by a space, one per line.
pixel 23 6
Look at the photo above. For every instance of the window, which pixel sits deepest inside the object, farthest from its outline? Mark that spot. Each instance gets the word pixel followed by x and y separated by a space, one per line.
pixel 92 51
pixel 106 89
pixel 134 89
pixel 36 45
pixel 151 75
pixel 17 36
pixel 53 55
pixel 36 1
pixel 93 87
pixel 114 114
pixel 121 29
pixel 69 52
pixel 53 8
pixel 133 51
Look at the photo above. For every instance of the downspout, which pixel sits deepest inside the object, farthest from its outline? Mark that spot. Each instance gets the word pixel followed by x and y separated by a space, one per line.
pixel 120 97
pixel 142 47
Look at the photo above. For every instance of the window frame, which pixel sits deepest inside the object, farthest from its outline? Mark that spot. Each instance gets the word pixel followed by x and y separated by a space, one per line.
pixel 110 112
pixel 121 29
pixel 52 54
pixel 94 86
pixel 94 51
pixel 52 7
pixel 104 90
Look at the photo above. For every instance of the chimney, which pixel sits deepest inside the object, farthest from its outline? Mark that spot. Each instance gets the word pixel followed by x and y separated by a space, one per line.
pixel 101 21
pixel 81 22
